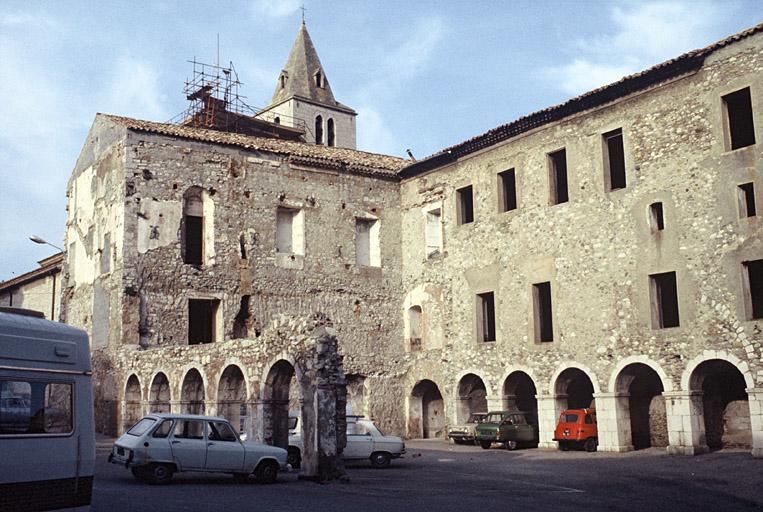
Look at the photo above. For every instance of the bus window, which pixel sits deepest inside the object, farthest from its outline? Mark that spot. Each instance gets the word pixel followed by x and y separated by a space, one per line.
pixel 31 407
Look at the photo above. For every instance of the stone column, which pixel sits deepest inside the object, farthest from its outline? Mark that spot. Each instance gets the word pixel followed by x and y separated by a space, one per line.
pixel 755 400
pixel 549 409
pixel 257 421
pixel 210 408
pixel 686 423
pixel 176 406
pixel 613 422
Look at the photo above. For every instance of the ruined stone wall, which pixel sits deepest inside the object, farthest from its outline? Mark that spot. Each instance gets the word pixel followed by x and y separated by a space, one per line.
pixel 242 193
pixel 597 250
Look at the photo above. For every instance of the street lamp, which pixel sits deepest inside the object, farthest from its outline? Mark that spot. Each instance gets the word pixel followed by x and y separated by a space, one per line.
pixel 36 239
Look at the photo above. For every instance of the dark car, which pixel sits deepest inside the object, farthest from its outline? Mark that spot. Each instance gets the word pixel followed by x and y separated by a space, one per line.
pixel 510 428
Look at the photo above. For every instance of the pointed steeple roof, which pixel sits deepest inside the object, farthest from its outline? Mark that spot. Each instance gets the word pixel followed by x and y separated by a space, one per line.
pixel 303 75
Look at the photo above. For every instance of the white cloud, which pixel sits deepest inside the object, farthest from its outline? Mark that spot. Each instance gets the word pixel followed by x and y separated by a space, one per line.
pixel 374 133
pixel 644 34
pixel 134 89
pixel 276 8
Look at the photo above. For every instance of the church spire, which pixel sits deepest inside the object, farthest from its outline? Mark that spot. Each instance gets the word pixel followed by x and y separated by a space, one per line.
pixel 303 74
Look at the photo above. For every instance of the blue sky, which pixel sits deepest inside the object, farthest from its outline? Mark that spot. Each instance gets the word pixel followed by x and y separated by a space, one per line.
pixel 422 75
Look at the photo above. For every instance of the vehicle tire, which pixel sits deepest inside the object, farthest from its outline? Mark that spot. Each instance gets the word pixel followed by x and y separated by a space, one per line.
pixel 564 446
pixel 590 444
pixel 159 474
pixel 485 445
pixel 139 473
pixel 459 441
pixel 294 457
pixel 241 478
pixel 511 445
pixel 380 459
pixel 266 472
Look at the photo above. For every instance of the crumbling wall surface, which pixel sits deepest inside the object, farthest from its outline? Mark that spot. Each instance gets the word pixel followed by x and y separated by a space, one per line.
pixel 597 250
pixel 310 344
pixel 243 191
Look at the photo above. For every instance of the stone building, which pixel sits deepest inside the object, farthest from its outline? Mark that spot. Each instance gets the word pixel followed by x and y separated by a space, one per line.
pixel 606 251
pixel 38 289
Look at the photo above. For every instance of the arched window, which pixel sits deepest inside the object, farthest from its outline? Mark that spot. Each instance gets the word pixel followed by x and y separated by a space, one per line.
pixel 283 80
pixel 330 132
pixel 319 130
pixel 193 227
pixel 414 327
pixel 277 120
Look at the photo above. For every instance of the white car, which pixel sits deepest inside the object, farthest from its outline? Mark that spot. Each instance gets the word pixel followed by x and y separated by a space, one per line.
pixel 364 442
pixel 160 445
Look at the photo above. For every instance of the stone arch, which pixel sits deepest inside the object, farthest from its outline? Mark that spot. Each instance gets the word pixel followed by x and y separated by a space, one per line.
pixel 573 388
pixel 426 411
pixel 276 394
pixel 232 397
pixel 133 406
pixel 667 382
pixel 159 394
pixel 471 396
pixel 519 393
pixel 725 409
pixel 192 393
pixel 638 389
pixel 564 366
pixel 742 366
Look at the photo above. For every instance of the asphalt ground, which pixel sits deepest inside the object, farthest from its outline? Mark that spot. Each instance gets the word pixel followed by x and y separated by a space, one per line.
pixel 438 476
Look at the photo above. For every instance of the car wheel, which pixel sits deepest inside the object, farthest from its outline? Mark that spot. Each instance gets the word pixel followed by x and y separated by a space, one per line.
pixel 266 472
pixel 380 459
pixel 590 444
pixel 294 457
pixel 485 445
pixel 241 478
pixel 511 445
pixel 564 446
pixel 159 474
pixel 139 473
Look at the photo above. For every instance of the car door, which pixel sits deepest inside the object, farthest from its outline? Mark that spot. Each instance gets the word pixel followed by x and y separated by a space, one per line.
pixel 189 444
pixel 360 443
pixel 224 451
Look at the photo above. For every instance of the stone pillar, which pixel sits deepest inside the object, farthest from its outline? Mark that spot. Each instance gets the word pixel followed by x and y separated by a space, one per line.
pixel 257 421
pixel 549 409
pixel 686 423
pixel 755 401
pixel 176 406
pixel 494 403
pixel 613 422
pixel 210 408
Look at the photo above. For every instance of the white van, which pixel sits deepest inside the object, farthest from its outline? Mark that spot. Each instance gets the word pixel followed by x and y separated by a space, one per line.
pixel 47 440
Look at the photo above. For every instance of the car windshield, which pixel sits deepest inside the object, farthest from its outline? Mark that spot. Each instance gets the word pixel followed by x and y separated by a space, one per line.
pixel 569 418
pixel 477 418
pixel 494 417
pixel 292 423
pixel 141 427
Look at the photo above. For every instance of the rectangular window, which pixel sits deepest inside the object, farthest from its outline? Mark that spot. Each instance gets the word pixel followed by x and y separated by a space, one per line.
pixel 194 239
pixel 465 205
pixel 740 130
pixel 746 196
pixel 433 232
pixel 33 407
pixel 486 316
pixel 544 324
pixel 507 191
pixel 754 292
pixel 664 300
pixel 290 237
pixel 614 158
pixel 557 162
pixel 656 218
pixel 202 320
pixel 367 250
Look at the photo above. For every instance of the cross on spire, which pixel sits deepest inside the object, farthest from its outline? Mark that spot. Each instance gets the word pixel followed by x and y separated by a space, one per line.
pixel 303 9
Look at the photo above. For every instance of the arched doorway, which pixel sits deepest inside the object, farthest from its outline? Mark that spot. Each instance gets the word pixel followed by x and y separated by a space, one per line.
pixel 646 405
pixel 725 407
pixel 159 394
pixel 472 397
pixel 132 402
pixel 426 415
pixel 192 393
pixel 231 397
pixel 519 394
pixel 280 393
pixel 574 389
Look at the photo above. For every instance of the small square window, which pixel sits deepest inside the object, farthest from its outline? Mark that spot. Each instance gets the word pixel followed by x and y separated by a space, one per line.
pixel 465 205
pixel 746 197
pixel 507 191
pixel 557 162
pixel 656 217
pixel 202 320
pixel 740 129
pixel 664 295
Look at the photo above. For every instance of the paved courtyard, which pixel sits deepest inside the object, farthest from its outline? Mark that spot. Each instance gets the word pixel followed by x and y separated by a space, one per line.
pixel 439 476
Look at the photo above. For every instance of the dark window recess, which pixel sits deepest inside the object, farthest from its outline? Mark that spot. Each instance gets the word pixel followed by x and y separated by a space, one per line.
pixel 330 137
pixel 544 325
pixel 193 239
pixel 241 322
pixel 465 205
pixel 507 187
pixel 201 321
pixel 746 193
pixel 656 217
pixel 615 159
pixel 319 130
pixel 558 176
pixel 664 300
pixel 738 106
pixel 487 315
pixel 754 271
pixel 242 246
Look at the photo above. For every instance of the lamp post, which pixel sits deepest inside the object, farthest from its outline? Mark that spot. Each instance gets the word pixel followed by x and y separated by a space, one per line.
pixel 36 239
